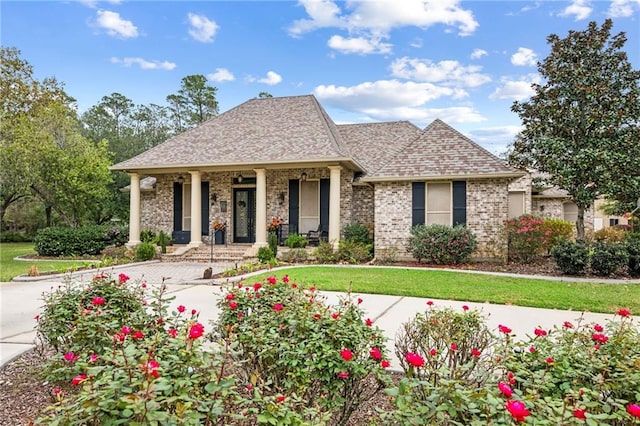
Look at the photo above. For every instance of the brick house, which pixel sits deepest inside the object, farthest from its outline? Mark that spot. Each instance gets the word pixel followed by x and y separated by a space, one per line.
pixel 285 157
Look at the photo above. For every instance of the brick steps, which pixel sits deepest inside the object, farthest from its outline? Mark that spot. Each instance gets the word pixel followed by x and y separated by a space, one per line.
pixel 203 254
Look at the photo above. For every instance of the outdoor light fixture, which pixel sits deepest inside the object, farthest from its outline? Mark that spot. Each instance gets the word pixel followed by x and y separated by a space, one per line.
pixel 281 198
pixel 239 178
pixel 180 178
pixel 214 197
pixel 303 176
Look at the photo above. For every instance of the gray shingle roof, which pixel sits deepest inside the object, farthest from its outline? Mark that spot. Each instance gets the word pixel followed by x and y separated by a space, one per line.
pixel 374 144
pixel 269 130
pixel 440 151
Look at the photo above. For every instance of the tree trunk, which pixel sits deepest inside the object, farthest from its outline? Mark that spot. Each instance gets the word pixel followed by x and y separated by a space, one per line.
pixel 48 210
pixel 580 224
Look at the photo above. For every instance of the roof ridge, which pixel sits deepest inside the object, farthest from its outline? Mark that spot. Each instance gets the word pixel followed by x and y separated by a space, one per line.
pixel 335 139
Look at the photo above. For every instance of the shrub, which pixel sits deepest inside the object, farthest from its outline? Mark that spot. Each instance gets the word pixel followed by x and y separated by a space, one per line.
pixel 295 241
pixel 633 250
pixel 151 373
pixel 610 234
pixel 83 318
pixel 147 236
pixel 292 343
pixel 572 258
pixel 265 254
pixel 353 252
pixel 559 376
pixel 86 240
pixel 162 239
pixel 357 233
pixel 441 244
pixel 554 231
pixel 272 241
pixel 525 237
pixel 13 237
pixel 325 253
pixel 608 258
pixel 145 251
pixel 116 236
pixel 387 255
pixel 296 255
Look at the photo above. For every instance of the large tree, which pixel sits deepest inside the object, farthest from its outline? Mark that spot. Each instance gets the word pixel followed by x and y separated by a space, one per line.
pixel 581 127
pixel 194 103
pixel 43 156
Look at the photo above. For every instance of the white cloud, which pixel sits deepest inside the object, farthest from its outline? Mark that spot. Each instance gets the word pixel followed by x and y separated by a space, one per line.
pixel 516 90
pixel 221 74
pixel 144 64
pixel 115 25
pixel 271 79
pixel 580 9
pixel 447 72
pixel 94 3
pixel 623 8
pixel 524 57
pixel 359 45
pixel 202 29
pixel 417 43
pixel 374 20
pixel 495 139
pixel 478 53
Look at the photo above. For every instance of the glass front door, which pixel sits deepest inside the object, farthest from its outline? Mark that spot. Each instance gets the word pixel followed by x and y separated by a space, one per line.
pixel 244 215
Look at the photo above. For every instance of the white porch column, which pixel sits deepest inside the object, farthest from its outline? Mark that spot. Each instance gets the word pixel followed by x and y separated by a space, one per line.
pixel 196 209
pixel 334 205
pixel 261 208
pixel 134 210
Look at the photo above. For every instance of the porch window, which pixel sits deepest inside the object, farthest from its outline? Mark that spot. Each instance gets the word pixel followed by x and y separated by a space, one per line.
pixel 309 205
pixel 186 207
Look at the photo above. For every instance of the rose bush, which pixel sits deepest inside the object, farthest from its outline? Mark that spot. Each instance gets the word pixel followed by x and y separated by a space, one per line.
pixel 290 342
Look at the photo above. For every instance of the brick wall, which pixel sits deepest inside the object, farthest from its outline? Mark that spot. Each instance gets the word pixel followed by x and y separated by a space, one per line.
pixel 487 207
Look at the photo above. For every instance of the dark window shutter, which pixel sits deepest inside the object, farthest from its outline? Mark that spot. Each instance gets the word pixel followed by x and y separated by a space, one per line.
pixel 324 203
pixel 459 202
pixel 294 205
pixel 177 206
pixel 204 202
pixel 417 203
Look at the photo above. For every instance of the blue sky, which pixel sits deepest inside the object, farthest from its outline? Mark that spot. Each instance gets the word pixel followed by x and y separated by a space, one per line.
pixel 372 60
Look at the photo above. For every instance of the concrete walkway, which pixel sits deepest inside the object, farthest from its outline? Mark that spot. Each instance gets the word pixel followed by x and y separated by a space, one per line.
pixel 20 302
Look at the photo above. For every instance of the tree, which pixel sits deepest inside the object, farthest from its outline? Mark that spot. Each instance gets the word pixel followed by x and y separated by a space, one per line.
pixel 194 103
pixel 263 95
pixel 43 154
pixel 581 127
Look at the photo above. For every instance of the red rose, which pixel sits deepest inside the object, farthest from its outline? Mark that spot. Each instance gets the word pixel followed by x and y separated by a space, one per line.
pixel 196 330
pixel 368 322
pixel 79 379
pixel 137 335
pixel 343 374
pixel 346 354
pixel 579 414
pixel 598 328
pixel 122 278
pixel 634 410
pixel 257 286
pixel 181 308
pixel 233 305
pixel 517 410
pixel 375 353
pixel 540 332
pixel 505 389
pixel 277 307
pixel 504 329
pixel 476 353
pixel 414 359
pixel 98 301
pixel 624 312
pixel 272 280
pixel 384 363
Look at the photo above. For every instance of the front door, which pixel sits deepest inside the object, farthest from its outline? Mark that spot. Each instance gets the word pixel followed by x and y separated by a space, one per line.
pixel 244 215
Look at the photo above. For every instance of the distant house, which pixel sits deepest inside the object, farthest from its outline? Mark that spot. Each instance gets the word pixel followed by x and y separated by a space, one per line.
pixel 285 157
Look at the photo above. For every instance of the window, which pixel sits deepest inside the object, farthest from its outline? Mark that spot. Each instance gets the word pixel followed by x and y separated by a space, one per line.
pixel 186 207
pixel 570 211
pixel 443 203
pixel 516 204
pixel 438 207
pixel 614 222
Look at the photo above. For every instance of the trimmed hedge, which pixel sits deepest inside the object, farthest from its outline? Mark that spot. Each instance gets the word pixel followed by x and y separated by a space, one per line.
pixel 58 241
pixel 441 244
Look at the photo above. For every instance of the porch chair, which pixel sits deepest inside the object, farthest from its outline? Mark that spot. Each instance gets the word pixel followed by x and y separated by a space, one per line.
pixel 314 237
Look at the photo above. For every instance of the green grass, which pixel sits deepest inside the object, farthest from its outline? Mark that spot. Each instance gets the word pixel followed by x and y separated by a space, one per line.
pixel 10 268
pixel 468 287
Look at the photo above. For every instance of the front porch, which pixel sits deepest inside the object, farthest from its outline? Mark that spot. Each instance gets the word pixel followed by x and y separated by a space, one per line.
pixel 244 202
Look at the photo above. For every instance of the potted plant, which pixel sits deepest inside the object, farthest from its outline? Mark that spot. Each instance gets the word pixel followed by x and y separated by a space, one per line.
pixel 219 229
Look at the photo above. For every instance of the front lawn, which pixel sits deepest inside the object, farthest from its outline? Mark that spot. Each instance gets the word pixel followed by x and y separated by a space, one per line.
pixel 469 287
pixel 9 267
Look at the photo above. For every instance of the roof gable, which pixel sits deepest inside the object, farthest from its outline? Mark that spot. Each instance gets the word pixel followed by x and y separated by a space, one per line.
pixel 440 151
pixel 374 144
pixel 285 129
